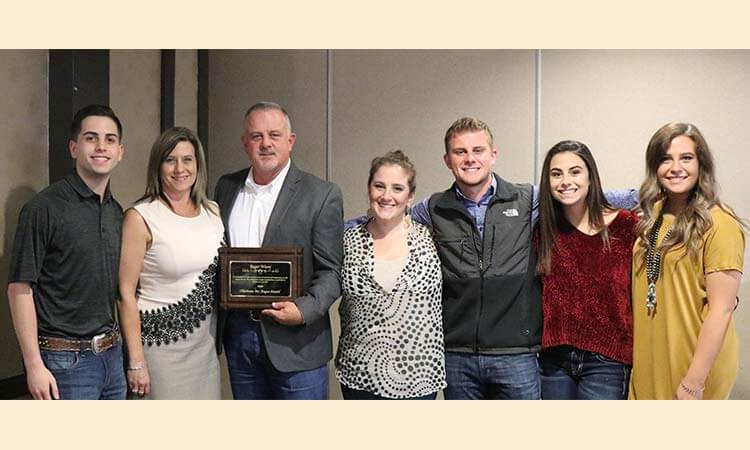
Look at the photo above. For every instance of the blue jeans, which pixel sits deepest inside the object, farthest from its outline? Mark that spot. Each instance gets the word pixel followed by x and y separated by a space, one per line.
pixel 504 377
pixel 251 373
pixel 88 375
pixel 356 394
pixel 569 373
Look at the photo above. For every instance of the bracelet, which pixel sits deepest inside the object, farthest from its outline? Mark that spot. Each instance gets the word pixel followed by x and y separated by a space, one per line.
pixel 133 369
pixel 693 392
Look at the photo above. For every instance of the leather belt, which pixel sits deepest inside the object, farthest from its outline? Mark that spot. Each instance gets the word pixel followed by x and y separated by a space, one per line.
pixel 97 344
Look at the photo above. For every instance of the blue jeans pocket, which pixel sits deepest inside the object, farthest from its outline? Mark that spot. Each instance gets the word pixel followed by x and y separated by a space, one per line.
pixel 58 362
pixel 603 359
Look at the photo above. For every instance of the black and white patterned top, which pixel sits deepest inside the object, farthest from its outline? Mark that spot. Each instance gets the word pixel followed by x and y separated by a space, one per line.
pixel 391 343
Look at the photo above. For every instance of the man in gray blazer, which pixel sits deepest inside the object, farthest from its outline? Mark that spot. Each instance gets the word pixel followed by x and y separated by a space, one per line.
pixel 281 352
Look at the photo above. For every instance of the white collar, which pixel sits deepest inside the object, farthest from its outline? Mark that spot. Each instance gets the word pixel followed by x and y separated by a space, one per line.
pixel 274 185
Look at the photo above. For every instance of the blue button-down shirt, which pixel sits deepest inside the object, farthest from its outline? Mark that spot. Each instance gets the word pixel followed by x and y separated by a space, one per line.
pixel 625 199
pixel 478 209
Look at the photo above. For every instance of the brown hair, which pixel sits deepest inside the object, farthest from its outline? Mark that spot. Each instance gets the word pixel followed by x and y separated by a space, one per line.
pixel 395 158
pixel 695 219
pixel 161 149
pixel 550 210
pixel 467 124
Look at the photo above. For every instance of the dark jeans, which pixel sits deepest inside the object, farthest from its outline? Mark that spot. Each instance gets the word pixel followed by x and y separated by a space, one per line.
pixel 88 375
pixel 503 377
pixel 252 375
pixel 356 394
pixel 569 373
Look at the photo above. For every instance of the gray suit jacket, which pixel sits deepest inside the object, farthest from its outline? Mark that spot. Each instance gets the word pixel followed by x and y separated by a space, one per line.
pixel 308 213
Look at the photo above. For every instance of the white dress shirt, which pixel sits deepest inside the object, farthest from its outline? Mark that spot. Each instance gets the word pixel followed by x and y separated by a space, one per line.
pixel 252 209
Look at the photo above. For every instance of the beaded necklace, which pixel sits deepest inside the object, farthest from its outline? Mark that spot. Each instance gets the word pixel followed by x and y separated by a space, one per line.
pixel 653 262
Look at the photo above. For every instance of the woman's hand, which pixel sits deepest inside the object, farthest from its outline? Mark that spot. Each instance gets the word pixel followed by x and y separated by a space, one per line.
pixel 139 380
pixel 721 293
pixel 687 391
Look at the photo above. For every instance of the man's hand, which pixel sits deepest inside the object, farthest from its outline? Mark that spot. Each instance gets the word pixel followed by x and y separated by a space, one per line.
pixel 42 383
pixel 285 313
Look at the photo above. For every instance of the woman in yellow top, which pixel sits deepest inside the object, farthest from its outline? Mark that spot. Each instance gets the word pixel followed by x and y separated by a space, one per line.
pixel 687 266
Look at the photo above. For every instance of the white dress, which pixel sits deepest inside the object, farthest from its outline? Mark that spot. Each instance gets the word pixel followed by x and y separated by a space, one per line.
pixel 176 302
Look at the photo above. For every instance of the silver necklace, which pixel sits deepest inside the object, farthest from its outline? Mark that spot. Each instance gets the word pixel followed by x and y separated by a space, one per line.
pixel 653 262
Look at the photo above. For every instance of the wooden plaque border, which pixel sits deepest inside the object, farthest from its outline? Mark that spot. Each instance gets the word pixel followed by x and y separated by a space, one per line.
pixel 293 255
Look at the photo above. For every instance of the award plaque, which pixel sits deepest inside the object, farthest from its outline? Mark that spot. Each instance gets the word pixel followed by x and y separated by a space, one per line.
pixel 253 278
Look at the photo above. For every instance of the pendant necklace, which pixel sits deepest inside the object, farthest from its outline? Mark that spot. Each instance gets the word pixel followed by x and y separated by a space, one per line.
pixel 653 262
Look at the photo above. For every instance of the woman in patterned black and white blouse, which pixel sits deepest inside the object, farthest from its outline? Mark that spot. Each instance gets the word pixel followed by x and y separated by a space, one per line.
pixel 391 344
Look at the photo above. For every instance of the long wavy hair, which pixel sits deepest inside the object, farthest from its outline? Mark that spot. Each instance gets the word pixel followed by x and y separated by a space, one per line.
pixel 161 149
pixel 551 211
pixel 695 219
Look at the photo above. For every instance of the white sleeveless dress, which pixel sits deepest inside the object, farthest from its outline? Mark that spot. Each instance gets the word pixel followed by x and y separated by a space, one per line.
pixel 176 302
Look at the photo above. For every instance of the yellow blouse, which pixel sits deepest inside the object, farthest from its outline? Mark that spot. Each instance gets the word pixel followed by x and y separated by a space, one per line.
pixel 665 341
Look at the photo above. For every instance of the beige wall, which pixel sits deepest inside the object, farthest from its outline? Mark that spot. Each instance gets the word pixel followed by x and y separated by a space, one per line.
pixel 237 79
pixel 186 89
pixel 382 100
pixel 373 101
pixel 134 95
pixel 24 163
pixel 615 100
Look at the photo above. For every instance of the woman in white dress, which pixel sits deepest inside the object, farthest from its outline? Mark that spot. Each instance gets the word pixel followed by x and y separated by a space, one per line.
pixel 170 241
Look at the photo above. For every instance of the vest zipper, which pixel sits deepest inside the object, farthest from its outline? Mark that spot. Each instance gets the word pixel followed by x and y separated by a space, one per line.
pixel 480 252
pixel 481 304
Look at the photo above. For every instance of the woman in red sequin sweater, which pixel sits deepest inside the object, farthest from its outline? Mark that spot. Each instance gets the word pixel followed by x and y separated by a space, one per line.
pixel 584 246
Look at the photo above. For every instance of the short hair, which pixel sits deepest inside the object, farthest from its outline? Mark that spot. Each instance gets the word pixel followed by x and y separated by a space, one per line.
pixel 464 125
pixel 163 146
pixel 395 158
pixel 93 110
pixel 270 106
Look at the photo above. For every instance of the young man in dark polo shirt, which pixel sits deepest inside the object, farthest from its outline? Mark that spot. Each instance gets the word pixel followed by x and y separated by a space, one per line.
pixel 63 271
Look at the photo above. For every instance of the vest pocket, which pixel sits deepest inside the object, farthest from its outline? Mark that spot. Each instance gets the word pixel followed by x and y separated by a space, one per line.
pixel 457 256
pixel 508 254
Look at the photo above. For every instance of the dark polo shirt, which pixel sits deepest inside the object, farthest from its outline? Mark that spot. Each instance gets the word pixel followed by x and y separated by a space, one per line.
pixel 67 248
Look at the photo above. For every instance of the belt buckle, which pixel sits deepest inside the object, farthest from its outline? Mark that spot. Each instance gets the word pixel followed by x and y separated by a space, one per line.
pixel 97 342
pixel 254 315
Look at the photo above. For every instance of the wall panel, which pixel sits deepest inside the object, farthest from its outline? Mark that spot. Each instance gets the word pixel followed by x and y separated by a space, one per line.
pixel 406 99
pixel 23 172
pixel 135 77
pixel 186 89
pixel 294 79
